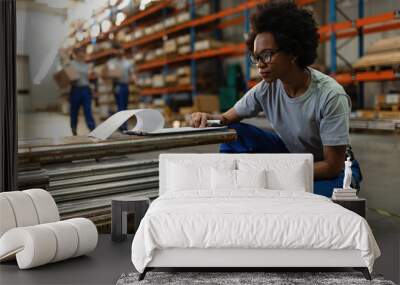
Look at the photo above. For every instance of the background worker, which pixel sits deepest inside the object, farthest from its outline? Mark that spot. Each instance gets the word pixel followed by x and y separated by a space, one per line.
pixel 121 82
pixel 81 94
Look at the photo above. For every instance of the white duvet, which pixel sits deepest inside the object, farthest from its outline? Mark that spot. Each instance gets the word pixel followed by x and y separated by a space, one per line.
pixel 250 219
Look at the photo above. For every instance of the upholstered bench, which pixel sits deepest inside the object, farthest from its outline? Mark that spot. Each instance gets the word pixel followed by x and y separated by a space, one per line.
pixel 31 231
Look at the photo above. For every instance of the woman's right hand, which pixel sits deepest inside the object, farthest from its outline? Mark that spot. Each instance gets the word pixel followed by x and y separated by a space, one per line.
pixel 199 119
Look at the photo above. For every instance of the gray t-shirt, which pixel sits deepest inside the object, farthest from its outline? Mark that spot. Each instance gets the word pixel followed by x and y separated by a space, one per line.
pixel 125 65
pixel 82 69
pixel 319 117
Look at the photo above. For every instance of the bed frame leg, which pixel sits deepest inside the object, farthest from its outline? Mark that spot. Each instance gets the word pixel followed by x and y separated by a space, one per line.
pixel 143 274
pixel 364 271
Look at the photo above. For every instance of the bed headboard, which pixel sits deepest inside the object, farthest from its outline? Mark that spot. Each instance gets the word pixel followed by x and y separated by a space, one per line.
pixel 270 160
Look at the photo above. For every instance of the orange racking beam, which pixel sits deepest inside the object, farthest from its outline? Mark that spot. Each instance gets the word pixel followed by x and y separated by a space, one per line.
pixel 206 19
pixel 326 30
pixel 164 90
pixel 376 75
pixel 304 2
pixel 196 22
pixel 375 19
pixel 344 78
pixel 375 29
pixel 232 22
pixel 101 54
pixel 238 49
pixel 365 76
pixel 144 13
pixel 128 21
pixel 226 50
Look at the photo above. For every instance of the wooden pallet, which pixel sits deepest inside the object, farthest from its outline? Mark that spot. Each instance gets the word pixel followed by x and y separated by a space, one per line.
pixel 387 107
pixel 391 115
pixel 387 59
pixel 385 45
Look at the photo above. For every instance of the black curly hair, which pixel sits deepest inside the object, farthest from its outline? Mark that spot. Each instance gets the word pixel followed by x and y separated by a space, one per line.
pixel 294 29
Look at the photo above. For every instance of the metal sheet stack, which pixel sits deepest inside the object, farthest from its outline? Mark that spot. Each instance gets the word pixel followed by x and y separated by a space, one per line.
pixel 86 188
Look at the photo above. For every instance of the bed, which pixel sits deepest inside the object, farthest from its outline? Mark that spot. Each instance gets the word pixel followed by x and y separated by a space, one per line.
pixel 247 210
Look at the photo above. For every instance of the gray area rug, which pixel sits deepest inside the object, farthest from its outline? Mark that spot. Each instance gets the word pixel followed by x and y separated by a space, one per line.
pixel 243 278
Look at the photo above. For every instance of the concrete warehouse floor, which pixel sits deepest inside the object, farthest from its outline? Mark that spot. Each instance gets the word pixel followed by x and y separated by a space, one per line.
pixel 378 154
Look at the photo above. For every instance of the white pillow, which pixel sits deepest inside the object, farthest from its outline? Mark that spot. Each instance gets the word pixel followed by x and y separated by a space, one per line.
pixel 251 179
pixel 222 179
pixel 184 176
pixel 293 180
pixel 281 175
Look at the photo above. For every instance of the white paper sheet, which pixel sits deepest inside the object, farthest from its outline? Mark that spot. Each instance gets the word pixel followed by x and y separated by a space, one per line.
pixel 148 121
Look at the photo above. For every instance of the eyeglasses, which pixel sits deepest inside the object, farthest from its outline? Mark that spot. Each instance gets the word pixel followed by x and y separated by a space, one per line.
pixel 264 57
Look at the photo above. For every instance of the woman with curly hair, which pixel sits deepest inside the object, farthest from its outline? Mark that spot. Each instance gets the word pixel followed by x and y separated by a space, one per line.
pixel 309 111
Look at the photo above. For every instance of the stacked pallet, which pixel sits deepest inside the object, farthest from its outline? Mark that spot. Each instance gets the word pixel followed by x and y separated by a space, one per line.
pixel 385 52
pixel 388 102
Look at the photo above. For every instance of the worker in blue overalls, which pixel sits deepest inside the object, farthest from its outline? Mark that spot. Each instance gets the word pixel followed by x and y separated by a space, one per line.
pixel 121 83
pixel 308 110
pixel 80 92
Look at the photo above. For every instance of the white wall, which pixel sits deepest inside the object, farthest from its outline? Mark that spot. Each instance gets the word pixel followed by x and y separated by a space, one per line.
pixel 39 33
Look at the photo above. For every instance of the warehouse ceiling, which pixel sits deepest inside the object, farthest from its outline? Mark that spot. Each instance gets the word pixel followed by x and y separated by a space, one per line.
pixel 48 6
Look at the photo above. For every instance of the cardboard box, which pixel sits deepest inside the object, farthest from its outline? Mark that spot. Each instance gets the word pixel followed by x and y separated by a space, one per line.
pixel 182 17
pixel 186 110
pixel 65 77
pixel 138 57
pixel 389 115
pixel 149 30
pixel 150 55
pixel 158 27
pixel 392 98
pixel 113 72
pixel 183 71
pixel 105 98
pixel 366 114
pixel 138 33
pixel 206 44
pixel 206 103
pixel 170 22
pixel 184 80
pixel 170 46
pixel 183 40
pixel 171 78
pixel 158 80
pixel 184 49
pixel 159 52
pixel 148 81
pixel 105 88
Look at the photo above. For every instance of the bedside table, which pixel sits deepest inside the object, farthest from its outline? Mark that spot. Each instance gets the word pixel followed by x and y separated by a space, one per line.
pixel 120 208
pixel 357 205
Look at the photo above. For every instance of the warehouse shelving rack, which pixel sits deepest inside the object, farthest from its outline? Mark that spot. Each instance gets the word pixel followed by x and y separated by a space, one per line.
pixel 224 51
pixel 332 32
pixel 358 27
pixel 351 28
